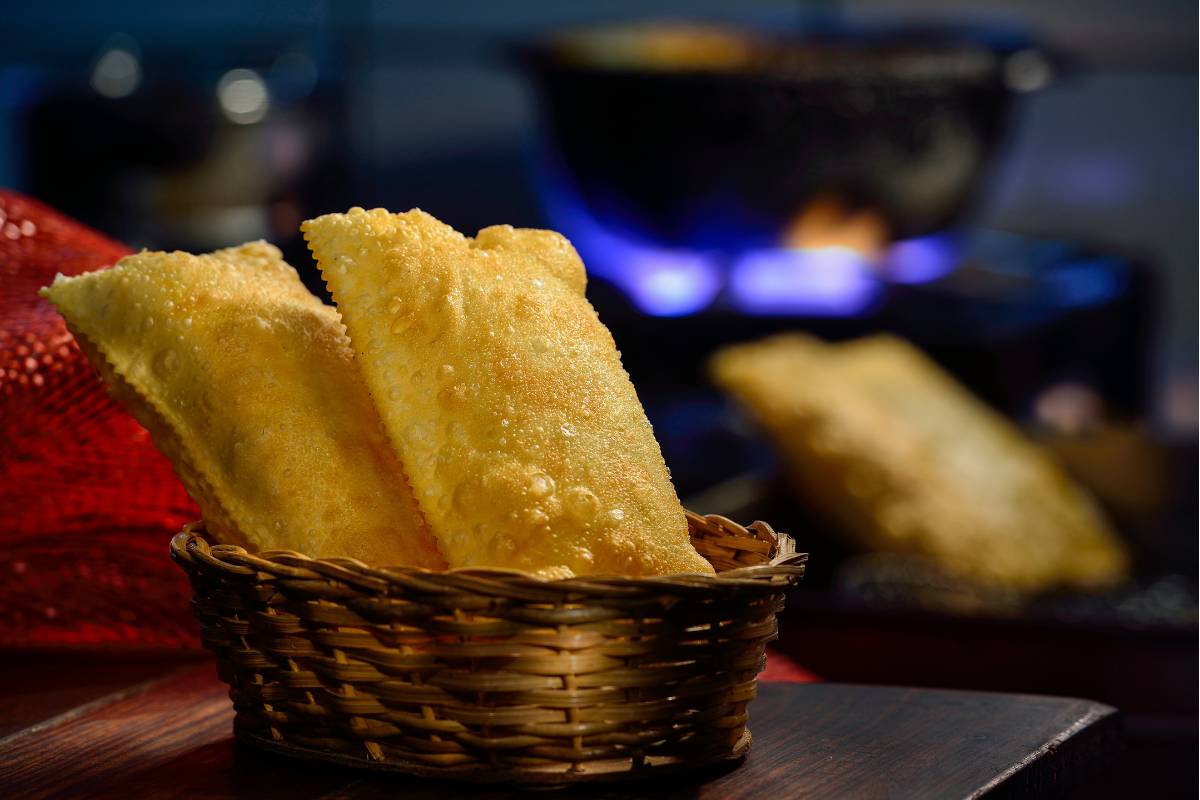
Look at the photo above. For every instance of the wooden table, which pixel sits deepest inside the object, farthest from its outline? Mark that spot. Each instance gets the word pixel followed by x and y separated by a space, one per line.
pixel 79 727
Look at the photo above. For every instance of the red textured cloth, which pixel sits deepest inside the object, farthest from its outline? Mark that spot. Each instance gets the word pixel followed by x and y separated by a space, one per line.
pixel 87 505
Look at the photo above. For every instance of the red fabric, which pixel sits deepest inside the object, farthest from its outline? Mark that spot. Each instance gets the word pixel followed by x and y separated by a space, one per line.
pixel 87 505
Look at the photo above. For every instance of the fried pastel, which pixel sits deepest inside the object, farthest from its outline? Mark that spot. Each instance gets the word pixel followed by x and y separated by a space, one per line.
pixel 881 439
pixel 247 383
pixel 504 395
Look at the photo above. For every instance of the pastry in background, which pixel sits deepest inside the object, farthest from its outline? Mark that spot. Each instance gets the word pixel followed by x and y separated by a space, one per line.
pixel 504 396
pixel 905 459
pixel 247 383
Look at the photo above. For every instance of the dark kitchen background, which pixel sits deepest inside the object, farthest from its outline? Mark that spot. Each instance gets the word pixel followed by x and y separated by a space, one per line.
pixel 1011 186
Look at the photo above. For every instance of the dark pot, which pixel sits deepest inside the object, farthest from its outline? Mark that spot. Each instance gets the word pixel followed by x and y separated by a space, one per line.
pixel 725 148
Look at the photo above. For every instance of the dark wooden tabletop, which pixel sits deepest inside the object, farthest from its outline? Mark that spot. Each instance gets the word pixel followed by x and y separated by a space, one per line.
pixel 79 727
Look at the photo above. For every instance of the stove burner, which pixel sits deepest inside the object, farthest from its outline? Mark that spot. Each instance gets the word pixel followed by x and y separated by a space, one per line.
pixel 824 281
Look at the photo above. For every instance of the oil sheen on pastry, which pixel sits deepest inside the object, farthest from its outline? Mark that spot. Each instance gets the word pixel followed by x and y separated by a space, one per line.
pixel 247 383
pixel 504 395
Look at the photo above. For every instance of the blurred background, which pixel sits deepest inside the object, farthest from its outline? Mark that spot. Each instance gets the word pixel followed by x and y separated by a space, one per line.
pixel 1010 186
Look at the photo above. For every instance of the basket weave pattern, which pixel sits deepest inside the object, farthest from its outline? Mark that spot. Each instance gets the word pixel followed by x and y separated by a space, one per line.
pixel 487 674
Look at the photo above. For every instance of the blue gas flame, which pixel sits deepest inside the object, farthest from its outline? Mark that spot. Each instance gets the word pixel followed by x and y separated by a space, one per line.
pixel 671 281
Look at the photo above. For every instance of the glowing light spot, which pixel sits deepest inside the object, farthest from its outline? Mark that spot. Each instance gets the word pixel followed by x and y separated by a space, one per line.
pixel 117 73
pixel 827 281
pixel 921 260
pixel 669 284
pixel 243 96
pixel 1027 71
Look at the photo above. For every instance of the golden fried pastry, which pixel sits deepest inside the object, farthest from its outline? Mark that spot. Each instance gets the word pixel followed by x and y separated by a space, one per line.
pixel 504 395
pixel 881 439
pixel 247 383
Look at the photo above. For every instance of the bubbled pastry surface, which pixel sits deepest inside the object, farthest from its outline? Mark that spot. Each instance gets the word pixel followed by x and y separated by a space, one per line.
pixel 247 382
pixel 504 395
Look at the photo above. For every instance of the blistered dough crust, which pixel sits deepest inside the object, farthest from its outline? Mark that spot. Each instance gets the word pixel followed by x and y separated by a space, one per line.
pixel 504 395
pixel 247 383
pixel 880 438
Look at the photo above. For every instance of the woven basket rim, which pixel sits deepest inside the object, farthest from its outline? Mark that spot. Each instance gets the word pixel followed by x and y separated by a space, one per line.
pixel 494 675
pixel 785 567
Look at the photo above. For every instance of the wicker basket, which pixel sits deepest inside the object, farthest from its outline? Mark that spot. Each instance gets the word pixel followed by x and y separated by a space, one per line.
pixel 493 675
